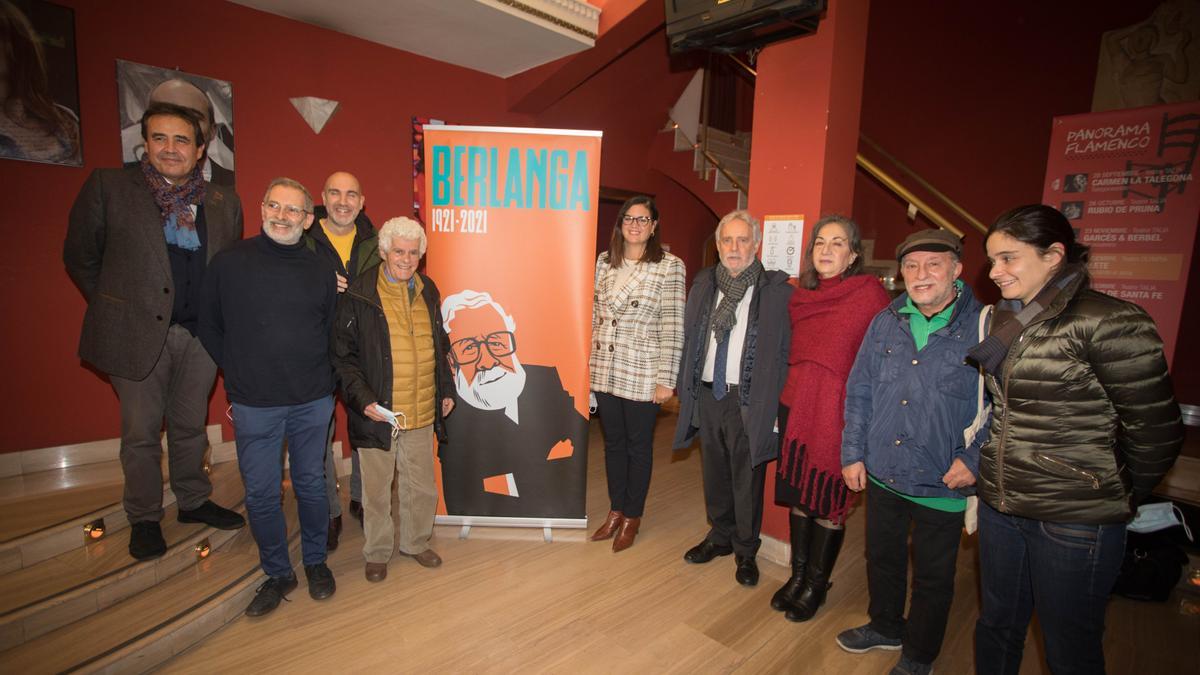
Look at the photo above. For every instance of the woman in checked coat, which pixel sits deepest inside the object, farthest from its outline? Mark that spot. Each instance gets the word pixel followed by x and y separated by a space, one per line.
pixel 637 336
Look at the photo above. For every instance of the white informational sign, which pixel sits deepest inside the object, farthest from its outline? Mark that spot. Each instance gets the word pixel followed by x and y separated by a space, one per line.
pixel 783 243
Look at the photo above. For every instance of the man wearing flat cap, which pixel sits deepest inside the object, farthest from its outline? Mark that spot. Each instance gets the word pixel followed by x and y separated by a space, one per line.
pixel 915 421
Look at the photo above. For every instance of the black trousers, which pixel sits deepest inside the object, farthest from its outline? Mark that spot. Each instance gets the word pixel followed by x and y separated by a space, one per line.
pixel 628 450
pixel 935 538
pixel 733 488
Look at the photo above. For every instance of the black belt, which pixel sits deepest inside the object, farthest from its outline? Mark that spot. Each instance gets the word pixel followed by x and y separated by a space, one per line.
pixel 729 388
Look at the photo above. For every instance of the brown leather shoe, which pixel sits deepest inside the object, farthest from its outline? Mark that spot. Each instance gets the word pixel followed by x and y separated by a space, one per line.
pixel 626 534
pixel 376 571
pixel 426 558
pixel 609 528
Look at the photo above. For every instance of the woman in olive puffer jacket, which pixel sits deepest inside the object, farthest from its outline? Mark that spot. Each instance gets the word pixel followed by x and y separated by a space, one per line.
pixel 1084 423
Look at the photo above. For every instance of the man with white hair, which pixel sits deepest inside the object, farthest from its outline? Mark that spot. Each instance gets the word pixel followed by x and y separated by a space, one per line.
pixel 736 338
pixel 502 458
pixel 390 352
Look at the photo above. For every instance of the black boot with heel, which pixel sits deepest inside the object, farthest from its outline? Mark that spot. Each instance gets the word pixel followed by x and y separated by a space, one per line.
pixel 825 543
pixel 800 534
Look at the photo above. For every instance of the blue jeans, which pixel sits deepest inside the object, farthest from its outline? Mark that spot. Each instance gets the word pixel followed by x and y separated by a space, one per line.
pixel 1065 570
pixel 260 433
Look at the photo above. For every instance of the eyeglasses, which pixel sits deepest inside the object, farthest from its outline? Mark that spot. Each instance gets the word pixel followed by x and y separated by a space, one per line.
pixel 290 212
pixel 466 351
pixel 640 220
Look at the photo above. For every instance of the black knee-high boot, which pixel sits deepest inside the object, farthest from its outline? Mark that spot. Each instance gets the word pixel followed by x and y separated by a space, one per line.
pixel 800 534
pixel 822 554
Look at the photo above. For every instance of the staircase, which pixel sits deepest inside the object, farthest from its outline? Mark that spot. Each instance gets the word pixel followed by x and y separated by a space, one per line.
pixel 719 165
pixel 71 597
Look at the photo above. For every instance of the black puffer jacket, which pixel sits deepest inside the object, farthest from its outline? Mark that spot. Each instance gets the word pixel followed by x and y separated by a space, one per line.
pixel 1083 413
pixel 362 357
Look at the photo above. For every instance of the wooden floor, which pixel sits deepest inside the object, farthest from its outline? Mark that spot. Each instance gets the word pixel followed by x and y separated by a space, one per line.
pixel 504 601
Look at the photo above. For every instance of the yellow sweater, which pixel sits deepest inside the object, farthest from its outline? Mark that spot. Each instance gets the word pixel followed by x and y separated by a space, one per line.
pixel 411 334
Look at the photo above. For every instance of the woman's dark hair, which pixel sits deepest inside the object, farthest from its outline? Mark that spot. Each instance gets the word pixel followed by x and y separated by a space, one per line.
pixel 616 247
pixel 809 278
pixel 1039 226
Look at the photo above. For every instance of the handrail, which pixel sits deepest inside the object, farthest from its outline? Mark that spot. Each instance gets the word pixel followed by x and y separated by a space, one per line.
pixel 711 158
pixel 913 201
pixel 724 172
pixel 745 66
pixel 895 186
pixel 925 184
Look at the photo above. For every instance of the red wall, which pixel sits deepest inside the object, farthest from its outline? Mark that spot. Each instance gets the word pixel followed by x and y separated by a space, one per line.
pixel 964 94
pixel 52 398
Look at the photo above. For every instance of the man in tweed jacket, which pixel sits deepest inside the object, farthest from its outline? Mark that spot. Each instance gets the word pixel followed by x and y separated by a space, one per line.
pixel 138 243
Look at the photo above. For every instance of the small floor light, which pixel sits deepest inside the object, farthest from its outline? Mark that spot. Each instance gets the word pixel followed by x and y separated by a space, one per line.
pixel 94 529
pixel 202 550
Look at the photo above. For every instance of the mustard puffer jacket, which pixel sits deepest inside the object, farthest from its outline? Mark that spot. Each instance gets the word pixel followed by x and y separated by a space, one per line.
pixel 1084 414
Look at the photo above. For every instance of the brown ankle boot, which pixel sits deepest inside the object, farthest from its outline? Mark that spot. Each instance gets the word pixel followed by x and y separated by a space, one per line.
pixel 626 534
pixel 609 528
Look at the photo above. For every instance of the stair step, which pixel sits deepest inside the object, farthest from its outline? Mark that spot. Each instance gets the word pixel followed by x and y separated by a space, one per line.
pixel 63 456
pixel 80 582
pixel 724 138
pixel 28 536
pixel 164 604
pixel 145 629
pixel 36 501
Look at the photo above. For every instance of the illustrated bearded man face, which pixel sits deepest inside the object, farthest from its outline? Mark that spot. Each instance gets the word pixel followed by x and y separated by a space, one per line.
pixel 487 373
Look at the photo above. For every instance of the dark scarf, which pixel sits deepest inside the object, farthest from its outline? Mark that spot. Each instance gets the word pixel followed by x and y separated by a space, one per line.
pixel 1009 319
pixel 179 225
pixel 732 289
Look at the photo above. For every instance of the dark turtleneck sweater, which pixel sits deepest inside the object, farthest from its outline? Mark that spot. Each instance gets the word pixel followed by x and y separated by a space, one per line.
pixel 266 320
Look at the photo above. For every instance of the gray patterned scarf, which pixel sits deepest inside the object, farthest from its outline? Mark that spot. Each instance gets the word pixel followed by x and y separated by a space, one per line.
pixel 732 289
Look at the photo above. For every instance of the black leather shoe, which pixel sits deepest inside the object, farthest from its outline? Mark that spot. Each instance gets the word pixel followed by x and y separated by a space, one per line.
pixel 268 596
pixel 705 551
pixel 335 530
pixel 214 516
pixel 747 571
pixel 320 581
pixel 146 540
pixel 356 511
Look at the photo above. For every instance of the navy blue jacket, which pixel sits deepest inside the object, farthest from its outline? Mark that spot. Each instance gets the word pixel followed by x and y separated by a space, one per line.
pixel 909 413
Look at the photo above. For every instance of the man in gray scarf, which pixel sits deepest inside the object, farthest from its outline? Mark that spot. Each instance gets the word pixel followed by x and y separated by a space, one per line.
pixel 734 365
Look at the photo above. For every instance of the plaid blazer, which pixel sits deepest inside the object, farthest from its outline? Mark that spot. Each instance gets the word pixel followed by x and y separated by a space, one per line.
pixel 637 332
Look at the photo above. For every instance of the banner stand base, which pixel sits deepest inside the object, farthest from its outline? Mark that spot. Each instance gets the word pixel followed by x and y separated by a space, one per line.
pixel 547 525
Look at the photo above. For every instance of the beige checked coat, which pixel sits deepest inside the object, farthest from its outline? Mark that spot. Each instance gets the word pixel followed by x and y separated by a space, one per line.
pixel 637 331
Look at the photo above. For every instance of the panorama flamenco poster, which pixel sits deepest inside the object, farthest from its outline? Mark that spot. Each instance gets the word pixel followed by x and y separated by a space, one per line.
pixel 1126 180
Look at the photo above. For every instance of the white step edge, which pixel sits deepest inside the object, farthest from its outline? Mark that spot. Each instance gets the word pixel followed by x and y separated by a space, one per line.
pixel 177 636
pixel 63 456
pixel 37 619
pixel 35 547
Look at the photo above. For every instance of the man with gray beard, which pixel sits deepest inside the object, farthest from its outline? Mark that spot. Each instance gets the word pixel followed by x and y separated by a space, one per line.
pixel 504 457
pixel 266 320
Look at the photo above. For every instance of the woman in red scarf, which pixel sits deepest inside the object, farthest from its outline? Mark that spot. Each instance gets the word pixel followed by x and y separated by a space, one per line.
pixel 830 312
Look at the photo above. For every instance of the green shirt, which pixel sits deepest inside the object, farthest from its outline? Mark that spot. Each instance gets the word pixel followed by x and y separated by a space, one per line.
pixel 947 504
pixel 921 326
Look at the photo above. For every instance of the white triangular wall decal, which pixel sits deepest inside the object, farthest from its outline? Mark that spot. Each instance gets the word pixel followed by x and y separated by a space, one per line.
pixel 315 111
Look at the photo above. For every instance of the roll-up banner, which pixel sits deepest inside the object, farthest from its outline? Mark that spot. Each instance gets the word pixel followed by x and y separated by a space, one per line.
pixel 1126 181
pixel 511 219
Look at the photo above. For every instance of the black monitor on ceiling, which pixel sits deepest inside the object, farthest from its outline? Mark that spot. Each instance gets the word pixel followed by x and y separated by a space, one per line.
pixel 732 26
